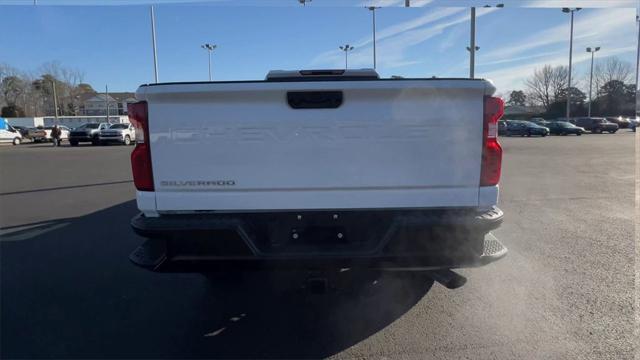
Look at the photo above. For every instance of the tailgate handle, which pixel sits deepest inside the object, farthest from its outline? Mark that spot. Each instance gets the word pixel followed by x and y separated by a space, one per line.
pixel 314 99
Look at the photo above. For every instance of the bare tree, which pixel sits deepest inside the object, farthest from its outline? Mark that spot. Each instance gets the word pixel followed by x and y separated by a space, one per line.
pixel 72 78
pixel 610 69
pixel 559 81
pixel 546 84
pixel 9 79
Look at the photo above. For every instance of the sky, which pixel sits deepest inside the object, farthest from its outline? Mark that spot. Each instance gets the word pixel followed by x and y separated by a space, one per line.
pixel 111 45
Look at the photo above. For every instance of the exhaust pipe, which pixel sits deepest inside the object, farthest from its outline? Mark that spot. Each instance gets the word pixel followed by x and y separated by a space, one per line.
pixel 448 278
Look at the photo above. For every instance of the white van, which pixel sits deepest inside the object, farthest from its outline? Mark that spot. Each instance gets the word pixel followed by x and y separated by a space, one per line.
pixel 9 134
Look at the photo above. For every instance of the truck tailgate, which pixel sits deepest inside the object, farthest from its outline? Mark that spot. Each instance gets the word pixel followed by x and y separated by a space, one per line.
pixel 240 146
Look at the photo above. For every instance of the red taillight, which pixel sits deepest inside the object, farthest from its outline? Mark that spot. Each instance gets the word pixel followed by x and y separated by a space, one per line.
pixel 491 149
pixel 141 154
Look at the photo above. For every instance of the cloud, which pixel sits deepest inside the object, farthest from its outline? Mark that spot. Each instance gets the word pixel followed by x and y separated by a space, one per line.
pixel 576 3
pixel 394 41
pixel 513 77
pixel 610 28
pixel 516 59
pixel 597 25
pixel 428 17
pixel 389 3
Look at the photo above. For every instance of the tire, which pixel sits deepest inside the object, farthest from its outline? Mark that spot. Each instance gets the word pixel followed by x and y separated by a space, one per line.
pixel 17 141
pixel 127 140
pixel 612 131
pixel 544 134
pixel 597 131
pixel 73 143
pixel 579 134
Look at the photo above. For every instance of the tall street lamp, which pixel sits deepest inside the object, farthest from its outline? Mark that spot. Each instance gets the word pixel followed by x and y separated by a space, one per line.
pixel 637 63
pixel 209 48
pixel 570 10
pixel 153 43
pixel 472 48
pixel 55 98
pixel 373 13
pixel 593 52
pixel 346 50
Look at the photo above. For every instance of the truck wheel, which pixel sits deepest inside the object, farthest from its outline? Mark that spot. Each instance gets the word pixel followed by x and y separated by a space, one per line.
pixel 127 140
pixel 17 141
pixel 73 143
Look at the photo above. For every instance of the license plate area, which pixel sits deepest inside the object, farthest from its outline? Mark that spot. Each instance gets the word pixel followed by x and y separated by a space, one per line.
pixel 317 233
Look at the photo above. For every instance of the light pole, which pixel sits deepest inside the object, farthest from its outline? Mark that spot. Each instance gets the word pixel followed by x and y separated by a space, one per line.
pixel 106 100
pixel 373 13
pixel 472 59
pixel 209 48
pixel 346 50
pixel 153 41
pixel 55 98
pixel 570 10
pixel 593 52
pixel 637 63
pixel 472 48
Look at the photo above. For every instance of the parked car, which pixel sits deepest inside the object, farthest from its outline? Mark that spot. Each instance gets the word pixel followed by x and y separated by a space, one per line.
pixel 236 185
pixel 87 133
pixel 595 125
pixel 24 131
pixel 64 132
pixel 622 121
pixel 564 128
pixel 502 127
pixel 539 121
pixel 10 135
pixel 633 123
pixel 37 134
pixel 525 128
pixel 118 133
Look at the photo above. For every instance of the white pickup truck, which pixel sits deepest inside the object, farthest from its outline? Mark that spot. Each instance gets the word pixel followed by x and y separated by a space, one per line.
pixel 117 133
pixel 307 168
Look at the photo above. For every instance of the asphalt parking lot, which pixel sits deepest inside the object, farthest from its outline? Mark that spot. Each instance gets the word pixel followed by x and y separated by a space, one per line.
pixel 565 290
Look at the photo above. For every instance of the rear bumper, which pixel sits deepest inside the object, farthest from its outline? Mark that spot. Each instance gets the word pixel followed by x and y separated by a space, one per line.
pixel 409 240
pixel 82 138
pixel 117 139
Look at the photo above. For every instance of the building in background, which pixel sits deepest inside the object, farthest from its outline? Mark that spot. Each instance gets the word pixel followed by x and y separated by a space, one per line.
pixel 70 121
pixel 96 104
